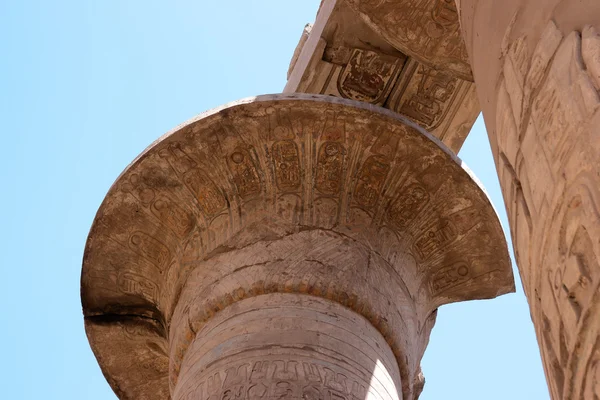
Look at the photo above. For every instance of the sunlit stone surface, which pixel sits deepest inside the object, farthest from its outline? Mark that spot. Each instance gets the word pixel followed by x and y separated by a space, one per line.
pixel 286 246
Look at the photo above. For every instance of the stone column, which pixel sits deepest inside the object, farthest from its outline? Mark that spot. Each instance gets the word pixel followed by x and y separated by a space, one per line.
pixel 536 66
pixel 288 345
pixel 286 246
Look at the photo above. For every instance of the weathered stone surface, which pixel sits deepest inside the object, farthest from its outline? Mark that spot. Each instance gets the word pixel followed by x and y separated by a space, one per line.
pixel 308 206
pixel 286 345
pixel 425 29
pixel 536 67
pixel 342 56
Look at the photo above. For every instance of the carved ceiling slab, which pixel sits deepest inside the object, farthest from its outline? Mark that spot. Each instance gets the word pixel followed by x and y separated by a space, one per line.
pixel 341 55
pixel 288 171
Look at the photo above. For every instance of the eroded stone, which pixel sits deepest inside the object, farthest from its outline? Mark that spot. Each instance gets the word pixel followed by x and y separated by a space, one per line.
pixel 343 56
pixel 348 209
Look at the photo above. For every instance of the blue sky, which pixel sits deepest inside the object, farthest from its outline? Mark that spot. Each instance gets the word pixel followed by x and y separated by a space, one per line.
pixel 85 86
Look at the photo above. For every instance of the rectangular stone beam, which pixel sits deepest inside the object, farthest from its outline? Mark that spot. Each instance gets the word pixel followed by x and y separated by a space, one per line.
pixel 339 55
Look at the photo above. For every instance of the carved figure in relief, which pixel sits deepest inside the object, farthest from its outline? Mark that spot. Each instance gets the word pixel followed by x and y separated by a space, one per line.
pixel 329 168
pixel 432 98
pixel 287 165
pixel 370 180
pixel 406 207
pixel 244 172
pixel 367 76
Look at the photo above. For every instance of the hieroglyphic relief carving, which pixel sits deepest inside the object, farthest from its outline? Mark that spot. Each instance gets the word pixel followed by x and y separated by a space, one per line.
pixel 425 29
pixel 367 76
pixel 134 284
pixel 370 181
pixel 375 169
pixel 208 195
pixel 150 248
pixel 434 239
pixel 179 220
pixel 428 96
pixel 281 379
pixel 343 158
pixel 329 168
pixel 449 276
pixel 331 156
pixel 408 204
pixel 349 58
pixel 287 165
pixel 245 174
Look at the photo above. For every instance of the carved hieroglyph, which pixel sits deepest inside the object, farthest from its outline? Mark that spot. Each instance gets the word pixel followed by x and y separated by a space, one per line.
pixel 425 29
pixel 342 56
pixel 538 77
pixel 332 211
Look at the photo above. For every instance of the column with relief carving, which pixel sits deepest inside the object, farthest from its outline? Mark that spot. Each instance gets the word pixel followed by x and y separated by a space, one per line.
pixel 289 247
pixel 536 66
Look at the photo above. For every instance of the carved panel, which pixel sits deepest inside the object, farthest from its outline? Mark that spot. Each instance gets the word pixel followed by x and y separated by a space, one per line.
pixel 408 204
pixel 427 95
pixel 367 76
pixel 287 165
pixel 245 175
pixel 370 181
pixel 345 57
pixel 427 30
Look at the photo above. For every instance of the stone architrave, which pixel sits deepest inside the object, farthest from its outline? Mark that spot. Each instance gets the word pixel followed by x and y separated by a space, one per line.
pixel 537 69
pixel 344 55
pixel 285 246
pixel 428 30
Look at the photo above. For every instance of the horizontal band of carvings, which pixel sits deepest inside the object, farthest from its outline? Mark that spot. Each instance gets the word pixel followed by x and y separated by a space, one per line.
pixel 276 165
pixel 290 342
pixel 320 263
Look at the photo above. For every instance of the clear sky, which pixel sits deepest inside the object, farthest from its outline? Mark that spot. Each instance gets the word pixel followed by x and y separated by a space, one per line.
pixel 85 86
